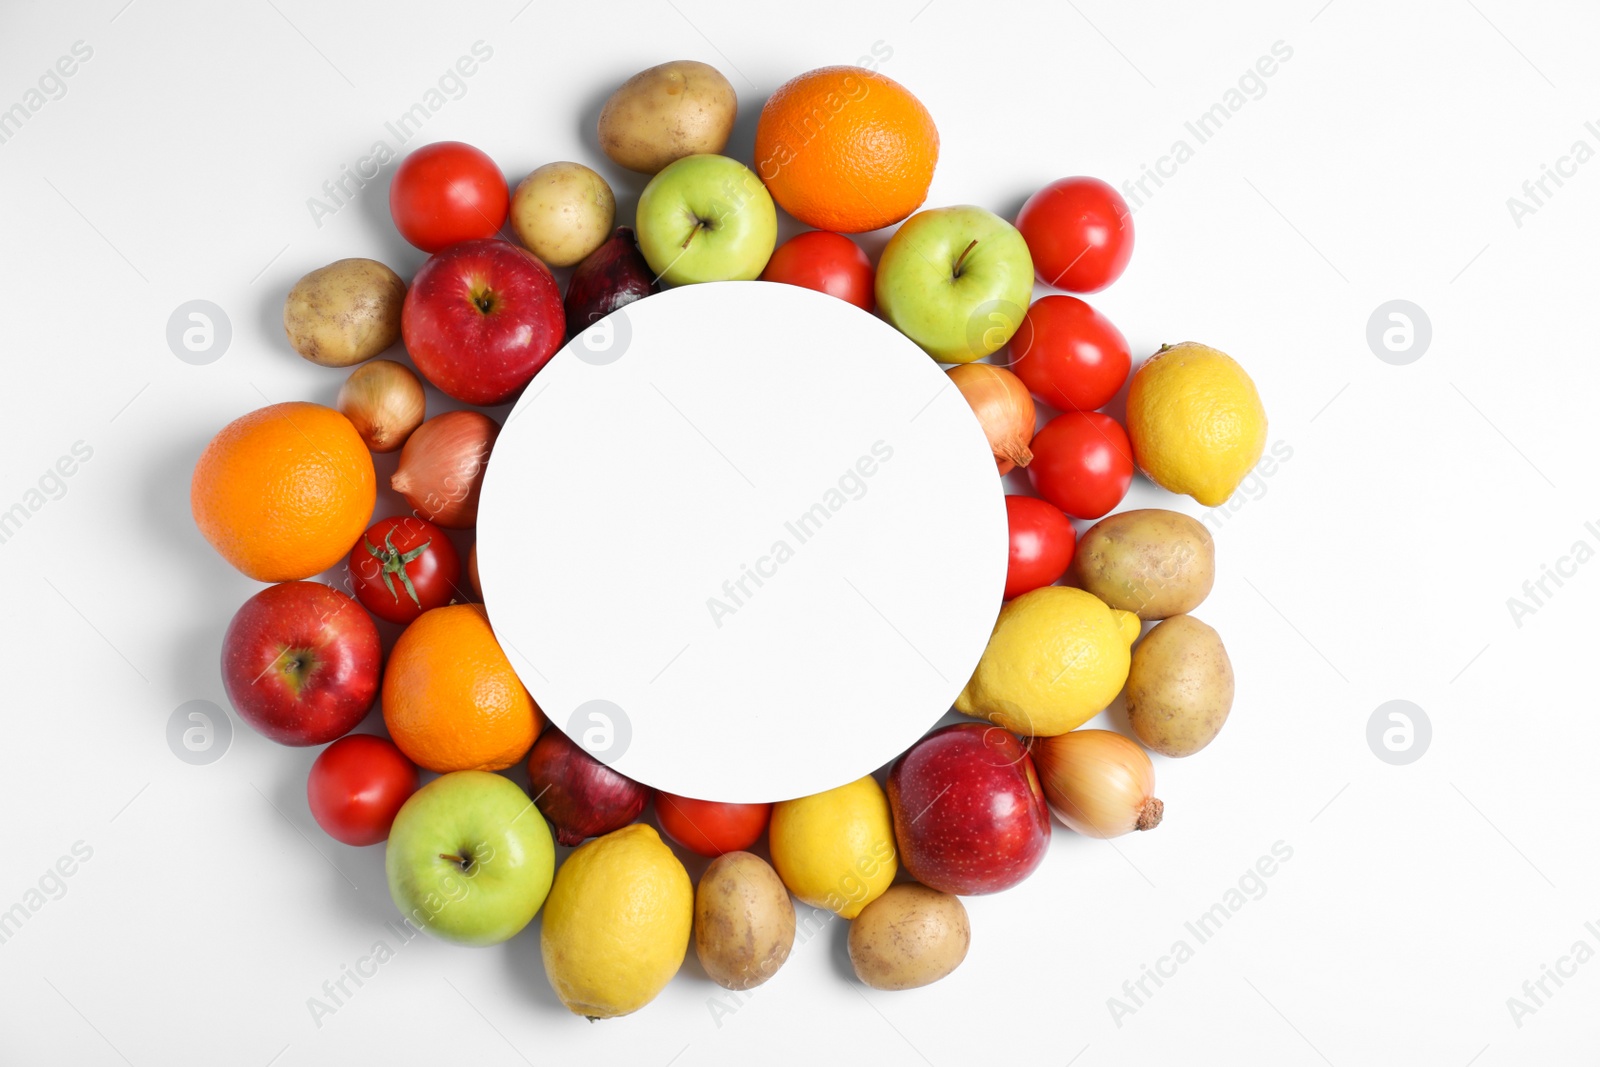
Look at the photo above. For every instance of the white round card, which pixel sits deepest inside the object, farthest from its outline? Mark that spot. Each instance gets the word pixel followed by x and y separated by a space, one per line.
pixel 742 541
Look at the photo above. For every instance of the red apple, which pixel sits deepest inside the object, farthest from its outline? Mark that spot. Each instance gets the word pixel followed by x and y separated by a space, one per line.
pixel 969 813
pixel 300 663
pixel 481 318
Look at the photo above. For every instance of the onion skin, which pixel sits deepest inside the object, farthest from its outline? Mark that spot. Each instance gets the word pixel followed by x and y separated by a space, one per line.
pixel 441 467
pixel 1004 408
pixel 579 795
pixel 385 402
pixel 1098 783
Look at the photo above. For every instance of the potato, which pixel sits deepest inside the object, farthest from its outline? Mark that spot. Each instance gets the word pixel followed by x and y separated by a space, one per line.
pixel 665 113
pixel 743 921
pixel 344 313
pixel 1180 687
pixel 562 212
pixel 1152 562
pixel 909 937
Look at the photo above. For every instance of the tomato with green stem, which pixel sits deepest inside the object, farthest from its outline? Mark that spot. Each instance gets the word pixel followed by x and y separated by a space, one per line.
pixel 402 566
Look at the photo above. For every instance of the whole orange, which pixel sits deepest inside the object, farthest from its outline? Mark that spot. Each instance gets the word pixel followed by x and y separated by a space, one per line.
pixel 846 149
pixel 450 698
pixel 283 492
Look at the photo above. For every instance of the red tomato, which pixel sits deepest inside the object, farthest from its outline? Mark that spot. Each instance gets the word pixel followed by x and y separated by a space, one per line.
pixel 708 826
pixel 357 785
pixel 1042 543
pixel 1069 355
pixel 403 566
pixel 1079 233
pixel 445 193
pixel 1082 463
pixel 827 262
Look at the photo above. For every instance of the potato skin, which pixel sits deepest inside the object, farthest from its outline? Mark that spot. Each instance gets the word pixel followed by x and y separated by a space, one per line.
pixel 562 212
pixel 911 936
pixel 1180 687
pixel 344 313
pixel 673 110
pixel 1152 562
pixel 743 921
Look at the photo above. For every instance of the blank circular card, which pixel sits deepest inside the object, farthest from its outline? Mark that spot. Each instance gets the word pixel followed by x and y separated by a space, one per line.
pixel 742 541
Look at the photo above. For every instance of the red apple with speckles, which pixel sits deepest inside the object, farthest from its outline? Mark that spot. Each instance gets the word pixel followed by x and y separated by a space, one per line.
pixel 481 318
pixel 969 813
pixel 300 663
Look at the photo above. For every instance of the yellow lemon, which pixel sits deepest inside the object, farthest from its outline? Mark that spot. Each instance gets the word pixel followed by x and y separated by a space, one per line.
pixel 1196 422
pixel 835 850
pixel 1056 658
pixel 616 923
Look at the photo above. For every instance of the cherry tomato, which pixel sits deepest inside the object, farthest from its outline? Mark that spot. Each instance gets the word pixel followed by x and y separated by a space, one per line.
pixel 445 193
pixel 357 785
pixel 1069 355
pixel 827 262
pixel 403 566
pixel 710 827
pixel 1082 463
pixel 1079 233
pixel 1042 543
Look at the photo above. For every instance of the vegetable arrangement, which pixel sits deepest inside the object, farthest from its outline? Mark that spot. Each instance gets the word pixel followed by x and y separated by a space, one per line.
pixel 967 809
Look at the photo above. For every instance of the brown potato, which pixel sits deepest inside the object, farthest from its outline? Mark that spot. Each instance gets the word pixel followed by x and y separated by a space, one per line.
pixel 743 921
pixel 562 212
pixel 1180 687
pixel 1152 562
pixel 909 937
pixel 344 313
pixel 670 111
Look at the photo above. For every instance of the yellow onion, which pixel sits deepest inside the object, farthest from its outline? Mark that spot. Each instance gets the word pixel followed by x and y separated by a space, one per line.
pixel 385 402
pixel 1004 410
pixel 441 467
pixel 1098 782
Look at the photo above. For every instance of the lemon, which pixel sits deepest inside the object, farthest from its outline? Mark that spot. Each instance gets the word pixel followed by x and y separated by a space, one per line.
pixel 1196 422
pixel 616 923
pixel 1056 658
pixel 835 850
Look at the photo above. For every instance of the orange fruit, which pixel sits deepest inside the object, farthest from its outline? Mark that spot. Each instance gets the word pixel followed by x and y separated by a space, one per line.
pixel 283 492
pixel 846 149
pixel 450 698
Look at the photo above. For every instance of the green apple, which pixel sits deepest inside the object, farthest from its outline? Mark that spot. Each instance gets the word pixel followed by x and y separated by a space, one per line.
pixel 706 219
pixel 956 280
pixel 470 858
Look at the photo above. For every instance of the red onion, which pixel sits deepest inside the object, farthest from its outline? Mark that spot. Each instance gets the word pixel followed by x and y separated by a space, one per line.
pixel 581 796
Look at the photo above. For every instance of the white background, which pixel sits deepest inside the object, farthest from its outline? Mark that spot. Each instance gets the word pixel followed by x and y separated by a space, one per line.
pixel 1373 565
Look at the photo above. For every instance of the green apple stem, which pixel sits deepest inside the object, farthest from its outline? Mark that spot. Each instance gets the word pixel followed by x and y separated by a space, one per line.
pixel 459 861
pixel 962 258
pixel 699 224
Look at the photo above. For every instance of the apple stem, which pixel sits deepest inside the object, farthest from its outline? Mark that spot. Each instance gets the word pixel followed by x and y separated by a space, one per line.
pixel 699 224
pixel 453 858
pixel 962 258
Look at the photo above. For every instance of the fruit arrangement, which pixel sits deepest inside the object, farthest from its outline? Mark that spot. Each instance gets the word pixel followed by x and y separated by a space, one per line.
pixel 287 492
